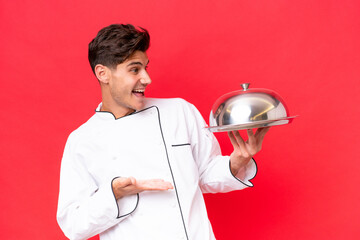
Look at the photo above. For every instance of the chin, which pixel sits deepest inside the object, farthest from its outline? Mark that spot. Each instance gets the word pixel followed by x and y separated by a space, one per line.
pixel 139 107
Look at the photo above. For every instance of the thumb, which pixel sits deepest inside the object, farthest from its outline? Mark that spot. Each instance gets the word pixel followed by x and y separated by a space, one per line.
pixel 132 181
pixel 124 182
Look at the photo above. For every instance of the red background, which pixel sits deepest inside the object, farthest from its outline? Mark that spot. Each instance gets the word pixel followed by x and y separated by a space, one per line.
pixel 307 185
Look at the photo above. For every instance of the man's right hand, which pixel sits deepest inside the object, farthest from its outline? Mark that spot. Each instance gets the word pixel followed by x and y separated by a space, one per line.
pixel 123 186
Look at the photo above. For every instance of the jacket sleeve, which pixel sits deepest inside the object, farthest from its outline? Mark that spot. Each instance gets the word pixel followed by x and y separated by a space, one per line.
pixel 85 208
pixel 214 169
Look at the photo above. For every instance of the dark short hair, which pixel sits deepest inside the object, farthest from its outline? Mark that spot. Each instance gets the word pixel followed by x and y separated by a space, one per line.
pixel 115 43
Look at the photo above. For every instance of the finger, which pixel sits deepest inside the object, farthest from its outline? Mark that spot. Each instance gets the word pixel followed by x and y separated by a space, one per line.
pixel 261 132
pixel 265 130
pixel 251 137
pixel 261 135
pixel 154 184
pixel 241 143
pixel 160 184
pixel 233 140
pixel 239 139
pixel 250 132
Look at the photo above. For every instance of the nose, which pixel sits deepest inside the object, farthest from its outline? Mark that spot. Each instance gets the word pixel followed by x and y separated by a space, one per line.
pixel 145 79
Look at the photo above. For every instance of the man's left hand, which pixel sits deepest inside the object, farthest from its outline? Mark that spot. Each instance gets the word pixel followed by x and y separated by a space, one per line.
pixel 245 150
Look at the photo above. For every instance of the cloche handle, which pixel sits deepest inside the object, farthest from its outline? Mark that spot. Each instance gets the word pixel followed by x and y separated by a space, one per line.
pixel 245 86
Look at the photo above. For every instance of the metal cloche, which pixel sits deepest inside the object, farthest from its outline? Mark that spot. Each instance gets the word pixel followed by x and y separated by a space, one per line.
pixel 248 108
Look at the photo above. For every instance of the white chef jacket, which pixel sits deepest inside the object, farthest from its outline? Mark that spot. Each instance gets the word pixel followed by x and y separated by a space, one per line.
pixel 166 140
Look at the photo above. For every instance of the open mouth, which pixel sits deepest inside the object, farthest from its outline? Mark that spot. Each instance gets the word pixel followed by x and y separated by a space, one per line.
pixel 139 92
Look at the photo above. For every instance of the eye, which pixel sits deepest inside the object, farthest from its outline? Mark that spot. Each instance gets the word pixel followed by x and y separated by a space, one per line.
pixel 134 70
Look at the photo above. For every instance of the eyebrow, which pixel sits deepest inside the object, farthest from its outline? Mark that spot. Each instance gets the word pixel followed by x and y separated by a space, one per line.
pixel 137 63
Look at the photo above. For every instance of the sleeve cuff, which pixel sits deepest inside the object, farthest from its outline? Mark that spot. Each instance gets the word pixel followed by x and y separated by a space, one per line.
pixel 223 180
pixel 246 173
pixel 125 205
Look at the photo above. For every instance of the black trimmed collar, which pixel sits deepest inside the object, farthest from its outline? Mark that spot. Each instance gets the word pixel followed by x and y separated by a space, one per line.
pixel 108 115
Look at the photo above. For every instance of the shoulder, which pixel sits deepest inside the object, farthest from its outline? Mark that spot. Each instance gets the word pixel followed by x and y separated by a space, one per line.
pixel 165 103
pixel 84 131
pixel 176 109
pixel 172 106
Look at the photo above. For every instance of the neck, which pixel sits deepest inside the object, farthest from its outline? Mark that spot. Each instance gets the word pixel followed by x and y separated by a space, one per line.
pixel 118 113
pixel 115 109
pixel 109 105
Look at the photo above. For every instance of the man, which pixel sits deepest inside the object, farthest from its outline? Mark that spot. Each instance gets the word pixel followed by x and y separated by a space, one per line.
pixel 137 168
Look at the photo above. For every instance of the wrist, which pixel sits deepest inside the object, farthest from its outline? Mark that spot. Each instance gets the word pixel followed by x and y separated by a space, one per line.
pixel 237 163
pixel 115 188
pixel 234 166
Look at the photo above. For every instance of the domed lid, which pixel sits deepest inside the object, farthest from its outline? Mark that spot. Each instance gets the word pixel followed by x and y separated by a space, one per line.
pixel 248 108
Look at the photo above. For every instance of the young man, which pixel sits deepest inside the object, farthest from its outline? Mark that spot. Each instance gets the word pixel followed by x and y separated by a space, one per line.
pixel 138 167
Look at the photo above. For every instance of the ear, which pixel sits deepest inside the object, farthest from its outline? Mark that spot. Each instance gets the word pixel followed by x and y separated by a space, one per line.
pixel 102 73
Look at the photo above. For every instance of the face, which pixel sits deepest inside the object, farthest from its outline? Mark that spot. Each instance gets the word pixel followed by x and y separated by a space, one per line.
pixel 126 85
